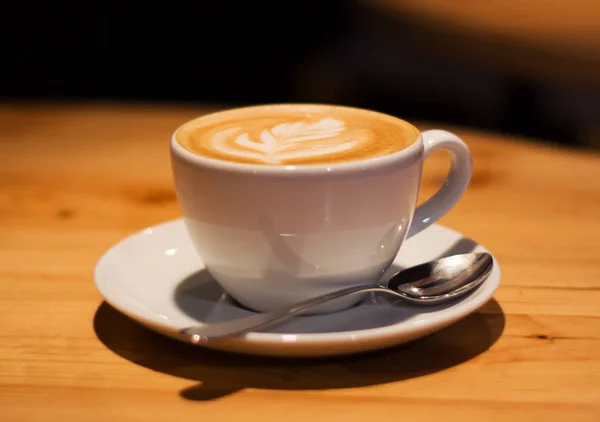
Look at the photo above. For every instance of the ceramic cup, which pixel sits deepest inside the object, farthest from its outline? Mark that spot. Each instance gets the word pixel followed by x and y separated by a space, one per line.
pixel 275 235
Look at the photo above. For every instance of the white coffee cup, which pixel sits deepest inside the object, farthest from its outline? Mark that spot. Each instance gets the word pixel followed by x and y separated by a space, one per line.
pixel 276 235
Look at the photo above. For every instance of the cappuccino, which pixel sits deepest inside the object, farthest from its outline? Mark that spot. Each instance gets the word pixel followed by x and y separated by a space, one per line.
pixel 295 135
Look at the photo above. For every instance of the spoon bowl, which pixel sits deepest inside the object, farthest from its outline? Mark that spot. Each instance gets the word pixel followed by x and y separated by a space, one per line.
pixel 430 283
pixel 442 280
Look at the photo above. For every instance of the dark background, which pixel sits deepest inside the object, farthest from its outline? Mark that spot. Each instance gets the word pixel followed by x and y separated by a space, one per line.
pixel 239 53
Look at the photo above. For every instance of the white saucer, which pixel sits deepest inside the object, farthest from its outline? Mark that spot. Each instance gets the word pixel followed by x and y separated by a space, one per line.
pixel 156 278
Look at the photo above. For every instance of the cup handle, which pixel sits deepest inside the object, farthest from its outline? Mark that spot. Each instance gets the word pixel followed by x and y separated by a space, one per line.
pixel 455 185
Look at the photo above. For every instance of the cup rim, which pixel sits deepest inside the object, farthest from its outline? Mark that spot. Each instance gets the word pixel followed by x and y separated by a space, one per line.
pixel 411 153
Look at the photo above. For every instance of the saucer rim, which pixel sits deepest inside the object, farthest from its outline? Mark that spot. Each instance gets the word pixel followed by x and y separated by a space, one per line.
pixel 383 334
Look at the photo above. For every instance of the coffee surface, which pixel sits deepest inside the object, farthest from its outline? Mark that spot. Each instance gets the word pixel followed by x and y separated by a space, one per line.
pixel 295 135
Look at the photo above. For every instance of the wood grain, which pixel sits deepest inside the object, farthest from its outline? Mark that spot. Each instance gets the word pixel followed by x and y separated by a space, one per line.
pixel 76 179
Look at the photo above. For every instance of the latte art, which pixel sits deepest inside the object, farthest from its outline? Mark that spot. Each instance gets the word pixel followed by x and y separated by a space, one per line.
pixel 288 141
pixel 295 135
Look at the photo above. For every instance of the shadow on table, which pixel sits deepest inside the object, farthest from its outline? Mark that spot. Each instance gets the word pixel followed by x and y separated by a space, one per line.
pixel 220 374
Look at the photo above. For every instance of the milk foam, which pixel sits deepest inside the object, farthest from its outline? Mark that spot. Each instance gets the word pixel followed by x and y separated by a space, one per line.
pixel 295 135
pixel 287 141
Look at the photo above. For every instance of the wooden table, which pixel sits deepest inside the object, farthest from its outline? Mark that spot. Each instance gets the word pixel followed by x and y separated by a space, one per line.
pixel 76 179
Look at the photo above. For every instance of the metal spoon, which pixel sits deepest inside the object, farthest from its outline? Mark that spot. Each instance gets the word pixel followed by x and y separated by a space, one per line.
pixel 430 283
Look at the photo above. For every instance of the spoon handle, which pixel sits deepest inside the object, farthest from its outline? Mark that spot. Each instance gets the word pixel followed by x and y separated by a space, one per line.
pixel 204 333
